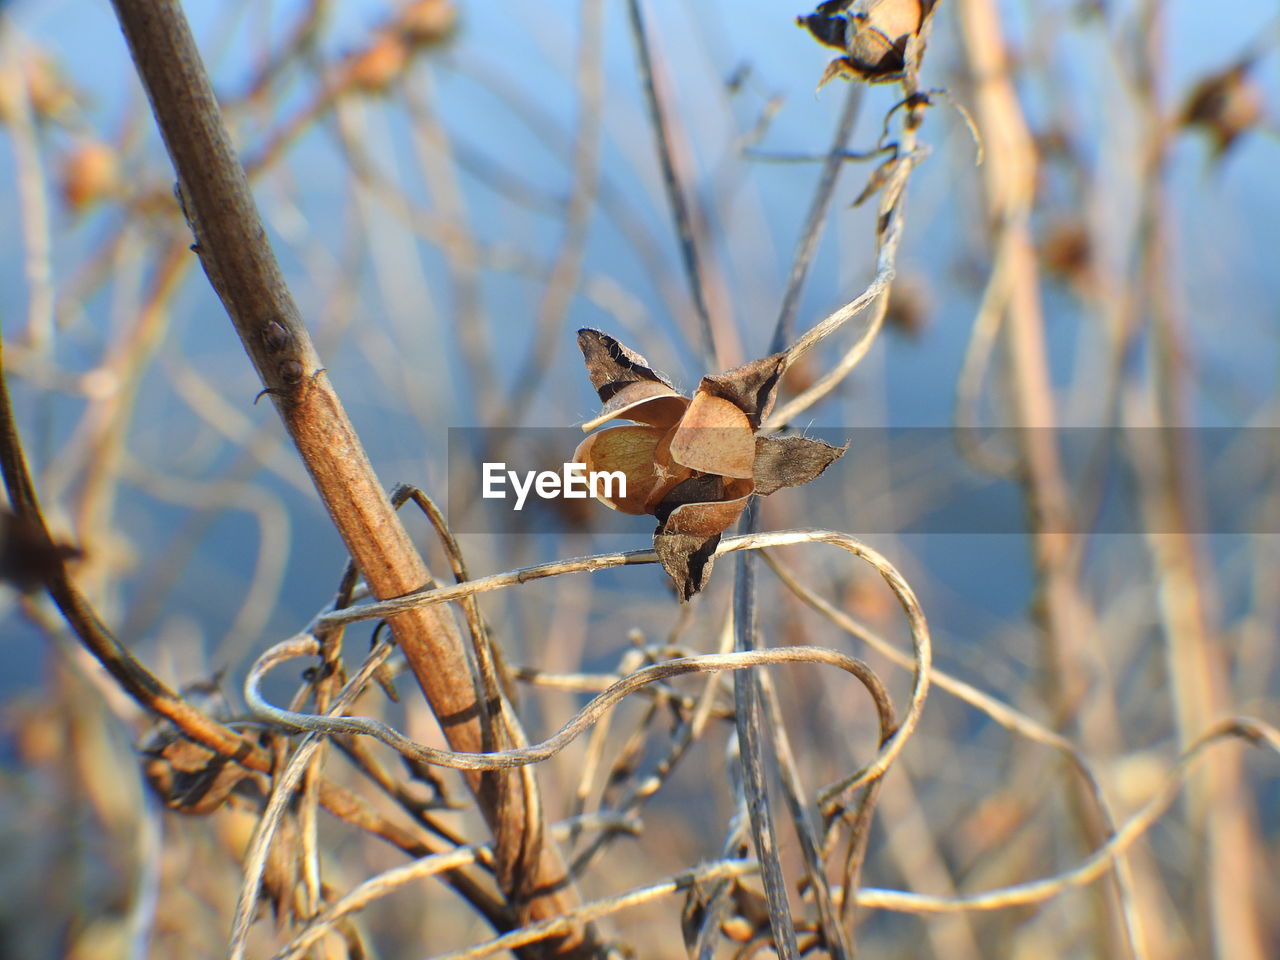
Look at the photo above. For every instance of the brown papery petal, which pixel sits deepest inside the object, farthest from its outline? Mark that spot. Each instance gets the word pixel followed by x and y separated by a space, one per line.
pixel 710 517
pixel 670 474
pixel 714 436
pixel 645 401
pixel 631 450
pixel 791 461
pixel 895 18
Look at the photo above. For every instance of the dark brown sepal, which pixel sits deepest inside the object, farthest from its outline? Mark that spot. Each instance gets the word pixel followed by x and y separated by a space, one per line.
pixel 752 387
pixel 610 365
pixel 687 558
pixel 791 461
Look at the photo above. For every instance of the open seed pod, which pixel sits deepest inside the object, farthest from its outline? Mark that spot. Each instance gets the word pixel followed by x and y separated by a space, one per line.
pixel 692 463
pixel 873 34
pixel 1225 105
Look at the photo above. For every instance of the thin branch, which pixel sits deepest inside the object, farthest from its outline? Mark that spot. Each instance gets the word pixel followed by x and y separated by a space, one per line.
pixel 567 268
pixel 337 724
pixel 833 163
pixel 890 220
pixel 1105 857
pixel 596 909
pixel 752 744
pixel 675 191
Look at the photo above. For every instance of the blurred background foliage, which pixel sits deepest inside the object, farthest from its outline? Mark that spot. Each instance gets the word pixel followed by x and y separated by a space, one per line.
pixel 445 230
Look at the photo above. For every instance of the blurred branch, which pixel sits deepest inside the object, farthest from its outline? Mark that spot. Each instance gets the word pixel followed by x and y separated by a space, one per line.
pixel 1169 477
pixel 155 696
pixel 1106 856
pixel 1071 642
pixel 832 163
pixel 686 231
pixel 566 271
pixel 32 195
pixel 144 687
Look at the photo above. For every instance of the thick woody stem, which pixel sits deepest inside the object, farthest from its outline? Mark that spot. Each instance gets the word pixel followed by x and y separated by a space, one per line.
pixel 239 262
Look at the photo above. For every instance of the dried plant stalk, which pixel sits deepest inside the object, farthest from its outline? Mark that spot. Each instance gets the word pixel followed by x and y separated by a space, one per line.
pixel 234 252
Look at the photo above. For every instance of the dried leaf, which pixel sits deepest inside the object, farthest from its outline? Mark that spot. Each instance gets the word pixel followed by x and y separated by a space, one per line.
pixel 191 778
pixel 839 67
pixel 386 682
pixel 827 30
pixel 27 556
pixel 791 461
pixel 752 387
pixel 718 502
pixel 875 183
pixel 693 914
pixel 282 873
pixel 700 489
pixel 716 437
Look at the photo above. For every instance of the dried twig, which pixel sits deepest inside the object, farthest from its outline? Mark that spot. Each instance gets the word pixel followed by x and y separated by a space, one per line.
pixel 680 212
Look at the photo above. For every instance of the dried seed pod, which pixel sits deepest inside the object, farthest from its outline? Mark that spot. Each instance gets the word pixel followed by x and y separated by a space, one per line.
pixel 691 463
pixel 90 173
pixel 189 777
pixel 1225 105
pixel 427 21
pixel 378 65
pixel 873 34
pixel 1067 252
pixel 909 307
pixel 42 82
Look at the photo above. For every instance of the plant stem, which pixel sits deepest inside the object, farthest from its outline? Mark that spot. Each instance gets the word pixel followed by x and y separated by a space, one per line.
pixel 235 254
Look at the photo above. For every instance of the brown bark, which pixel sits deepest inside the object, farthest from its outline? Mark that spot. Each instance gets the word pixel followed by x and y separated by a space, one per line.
pixel 243 270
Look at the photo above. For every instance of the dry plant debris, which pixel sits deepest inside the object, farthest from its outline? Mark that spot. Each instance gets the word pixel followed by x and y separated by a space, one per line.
pixel 1225 105
pixel 692 463
pixel 874 35
pixel 28 556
